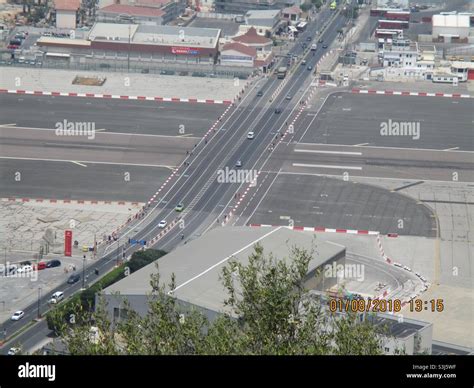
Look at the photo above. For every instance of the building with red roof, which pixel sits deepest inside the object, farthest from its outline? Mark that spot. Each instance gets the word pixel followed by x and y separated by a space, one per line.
pixel 237 54
pixel 139 14
pixel 252 39
pixel 66 13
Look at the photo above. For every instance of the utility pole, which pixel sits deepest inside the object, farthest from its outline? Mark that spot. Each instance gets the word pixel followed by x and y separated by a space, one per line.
pixel 39 298
pixel 83 271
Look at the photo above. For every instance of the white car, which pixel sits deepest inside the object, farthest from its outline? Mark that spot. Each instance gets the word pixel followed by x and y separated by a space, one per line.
pixel 406 268
pixel 397 265
pixel 57 297
pixel 25 269
pixel 13 351
pixel 162 224
pixel 250 135
pixel 18 315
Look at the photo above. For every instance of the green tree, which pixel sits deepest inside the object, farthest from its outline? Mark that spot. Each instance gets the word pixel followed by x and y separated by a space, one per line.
pixel 267 311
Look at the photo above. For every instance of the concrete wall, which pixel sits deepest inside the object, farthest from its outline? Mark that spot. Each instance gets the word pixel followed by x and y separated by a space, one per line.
pixel 66 19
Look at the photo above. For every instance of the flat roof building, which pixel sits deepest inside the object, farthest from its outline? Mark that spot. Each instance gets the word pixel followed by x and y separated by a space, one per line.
pixel 198 265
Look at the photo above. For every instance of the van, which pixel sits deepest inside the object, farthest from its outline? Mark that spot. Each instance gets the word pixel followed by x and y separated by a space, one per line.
pixel 57 297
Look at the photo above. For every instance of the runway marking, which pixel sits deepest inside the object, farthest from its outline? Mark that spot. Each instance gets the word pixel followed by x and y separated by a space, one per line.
pixel 451 149
pixel 381 147
pixel 409 185
pixel 359 177
pixel 330 152
pixel 79 164
pixel 91 146
pixel 327 166
pixel 102 130
pixel 89 161
pixel 361 144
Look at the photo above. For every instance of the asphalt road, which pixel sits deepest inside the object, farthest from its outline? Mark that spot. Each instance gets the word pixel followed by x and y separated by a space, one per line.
pixel 352 119
pixel 196 185
pixel 127 116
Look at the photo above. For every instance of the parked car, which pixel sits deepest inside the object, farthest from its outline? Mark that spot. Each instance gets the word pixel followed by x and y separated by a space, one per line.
pixel 41 265
pixel 74 278
pixel 17 315
pixel 162 224
pixel 53 263
pixel 25 269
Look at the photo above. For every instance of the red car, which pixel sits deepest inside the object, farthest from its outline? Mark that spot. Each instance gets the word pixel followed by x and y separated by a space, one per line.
pixel 41 265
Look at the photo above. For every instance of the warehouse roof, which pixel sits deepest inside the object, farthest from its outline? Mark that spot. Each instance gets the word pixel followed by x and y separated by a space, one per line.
pixel 198 264
pixel 112 31
pixel 451 21
pixel 262 14
pixel 131 10
pixel 178 36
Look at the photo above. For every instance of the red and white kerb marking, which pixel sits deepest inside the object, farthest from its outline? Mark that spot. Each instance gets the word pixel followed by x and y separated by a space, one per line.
pixel 115 96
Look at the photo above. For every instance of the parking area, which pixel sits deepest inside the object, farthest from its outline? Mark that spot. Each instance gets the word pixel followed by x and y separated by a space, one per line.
pixel 31 225
pixel 393 121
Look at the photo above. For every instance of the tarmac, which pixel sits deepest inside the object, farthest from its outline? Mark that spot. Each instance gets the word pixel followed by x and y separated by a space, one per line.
pixel 149 85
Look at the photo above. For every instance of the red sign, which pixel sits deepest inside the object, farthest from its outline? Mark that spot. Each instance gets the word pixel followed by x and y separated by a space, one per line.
pixel 184 50
pixel 68 243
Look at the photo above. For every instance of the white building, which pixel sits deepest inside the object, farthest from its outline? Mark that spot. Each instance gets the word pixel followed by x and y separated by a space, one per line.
pixel 66 13
pixel 262 20
pixel 400 53
pixel 457 27
pixel 237 54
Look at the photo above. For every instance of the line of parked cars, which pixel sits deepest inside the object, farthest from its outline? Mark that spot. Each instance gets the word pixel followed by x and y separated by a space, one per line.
pixel 27 266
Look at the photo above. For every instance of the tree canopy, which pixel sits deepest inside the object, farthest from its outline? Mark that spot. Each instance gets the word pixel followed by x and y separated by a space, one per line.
pixel 266 311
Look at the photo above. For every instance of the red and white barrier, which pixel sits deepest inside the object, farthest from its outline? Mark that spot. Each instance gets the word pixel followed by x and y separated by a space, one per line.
pixel 404 93
pixel 115 96
pixel 320 229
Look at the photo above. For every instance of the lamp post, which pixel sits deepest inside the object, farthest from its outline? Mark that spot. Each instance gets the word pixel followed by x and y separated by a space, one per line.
pixel 39 298
pixel 83 271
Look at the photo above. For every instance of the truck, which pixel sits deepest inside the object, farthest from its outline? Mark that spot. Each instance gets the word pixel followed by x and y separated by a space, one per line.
pixel 314 46
pixel 281 72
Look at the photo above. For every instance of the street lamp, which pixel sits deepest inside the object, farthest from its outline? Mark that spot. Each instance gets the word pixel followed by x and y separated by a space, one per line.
pixel 39 298
pixel 83 271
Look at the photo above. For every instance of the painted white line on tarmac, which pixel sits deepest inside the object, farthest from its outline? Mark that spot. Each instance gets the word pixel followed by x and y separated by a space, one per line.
pixel 79 164
pixel 327 166
pixel 329 152
pixel 89 161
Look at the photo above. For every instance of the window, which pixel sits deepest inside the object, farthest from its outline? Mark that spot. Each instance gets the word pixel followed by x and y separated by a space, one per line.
pixel 387 349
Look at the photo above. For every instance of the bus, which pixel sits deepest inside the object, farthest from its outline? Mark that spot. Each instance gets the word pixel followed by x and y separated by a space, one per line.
pixel 302 26
pixel 281 72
